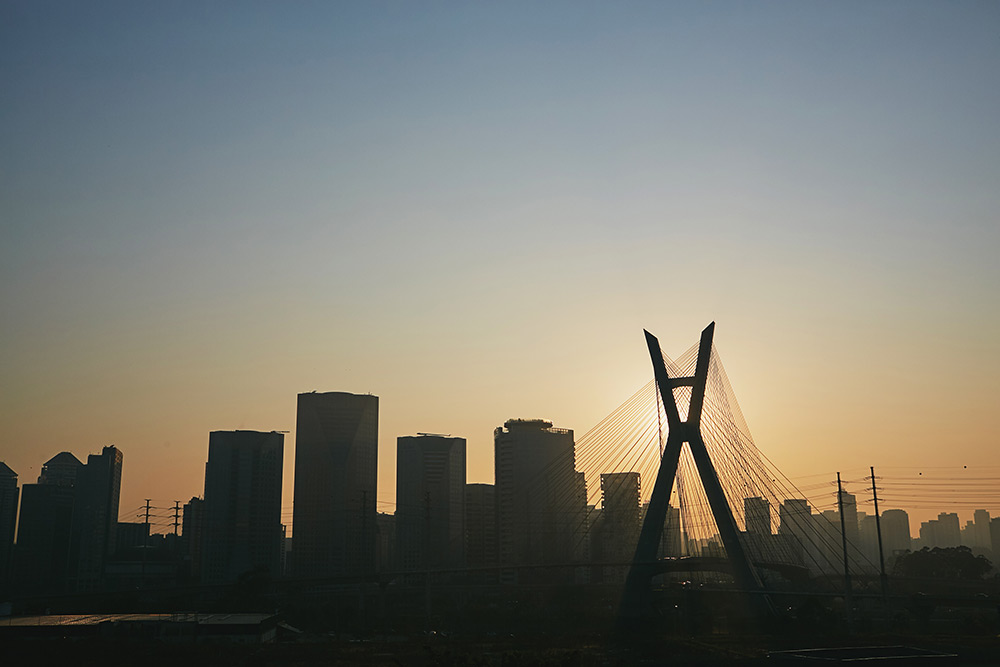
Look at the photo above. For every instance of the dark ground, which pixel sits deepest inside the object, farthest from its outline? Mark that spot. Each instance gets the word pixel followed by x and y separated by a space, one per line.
pixel 539 650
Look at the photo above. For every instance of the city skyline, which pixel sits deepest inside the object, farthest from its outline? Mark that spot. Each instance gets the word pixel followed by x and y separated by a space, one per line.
pixel 473 211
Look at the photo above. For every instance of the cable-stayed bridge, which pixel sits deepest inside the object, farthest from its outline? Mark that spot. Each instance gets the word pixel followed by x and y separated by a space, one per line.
pixel 680 451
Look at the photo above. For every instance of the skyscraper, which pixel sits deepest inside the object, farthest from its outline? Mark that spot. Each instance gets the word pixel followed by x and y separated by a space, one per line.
pixel 480 525
pixel 8 519
pixel 336 459
pixel 619 523
pixel 242 504
pixel 42 553
pixel 541 499
pixel 430 501
pixel 895 532
pixel 95 516
pixel 757 513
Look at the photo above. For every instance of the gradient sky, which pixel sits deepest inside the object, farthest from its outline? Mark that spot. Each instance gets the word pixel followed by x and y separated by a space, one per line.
pixel 472 210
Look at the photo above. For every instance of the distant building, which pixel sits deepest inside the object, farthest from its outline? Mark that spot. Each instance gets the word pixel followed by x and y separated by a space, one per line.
pixel 541 499
pixel 336 469
pixel 42 552
pixel 895 533
pixel 981 531
pixel 796 524
pixel 850 504
pixel 480 525
pixel 430 501
pixel 131 536
pixel 385 542
pixel 193 536
pixel 757 513
pixel 61 470
pixel 95 516
pixel 995 540
pixel 618 531
pixel 9 495
pixel 242 505
pixel 941 532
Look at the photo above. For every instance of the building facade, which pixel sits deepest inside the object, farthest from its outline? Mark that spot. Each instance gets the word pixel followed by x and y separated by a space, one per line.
pixel 480 525
pixel 44 529
pixel 9 496
pixel 541 499
pixel 430 501
pixel 242 506
pixel 95 516
pixel 336 467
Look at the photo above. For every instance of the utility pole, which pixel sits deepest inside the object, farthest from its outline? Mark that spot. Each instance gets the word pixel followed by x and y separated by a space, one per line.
pixel 848 602
pixel 145 543
pixel 881 554
pixel 177 520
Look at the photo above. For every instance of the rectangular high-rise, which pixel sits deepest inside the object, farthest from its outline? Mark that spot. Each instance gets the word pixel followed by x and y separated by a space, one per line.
pixel 95 516
pixel 8 519
pixel 480 525
pixel 336 467
pixel 242 507
pixel 541 499
pixel 44 529
pixel 430 501
pixel 757 514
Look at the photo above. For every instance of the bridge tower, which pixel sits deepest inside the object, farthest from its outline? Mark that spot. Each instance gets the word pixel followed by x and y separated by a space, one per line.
pixel 636 596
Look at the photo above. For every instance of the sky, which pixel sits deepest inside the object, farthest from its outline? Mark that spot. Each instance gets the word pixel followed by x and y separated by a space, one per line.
pixel 472 210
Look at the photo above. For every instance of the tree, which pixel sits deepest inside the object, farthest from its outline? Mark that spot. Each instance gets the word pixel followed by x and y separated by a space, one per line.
pixel 936 563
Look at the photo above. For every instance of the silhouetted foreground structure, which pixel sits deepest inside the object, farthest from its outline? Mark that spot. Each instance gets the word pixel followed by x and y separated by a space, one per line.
pixel 175 628
pixel 336 466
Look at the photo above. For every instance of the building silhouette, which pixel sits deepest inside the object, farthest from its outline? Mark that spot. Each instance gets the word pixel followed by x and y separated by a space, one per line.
pixel 243 530
pixel 95 516
pixel 480 525
pixel 895 532
pixel 757 513
pixel 795 520
pixel 541 499
pixel 430 501
pixel 44 529
pixel 942 532
pixel 9 496
pixel 336 459
pixel 193 536
pixel 616 532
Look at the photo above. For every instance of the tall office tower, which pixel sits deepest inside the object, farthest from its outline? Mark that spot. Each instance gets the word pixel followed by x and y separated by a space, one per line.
pixel 8 520
pixel 41 556
pixel 995 537
pixel 868 542
pixel 95 516
pixel 430 501
pixel 385 542
pixel 242 504
pixel 850 504
pixel 541 502
pixel 193 535
pixel 336 459
pixel 796 523
pixel 480 525
pixel 619 530
pixel 895 533
pixel 673 540
pixel 757 512
pixel 947 532
pixel 981 530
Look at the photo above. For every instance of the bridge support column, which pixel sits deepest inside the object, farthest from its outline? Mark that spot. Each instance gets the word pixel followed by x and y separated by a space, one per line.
pixel 636 596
